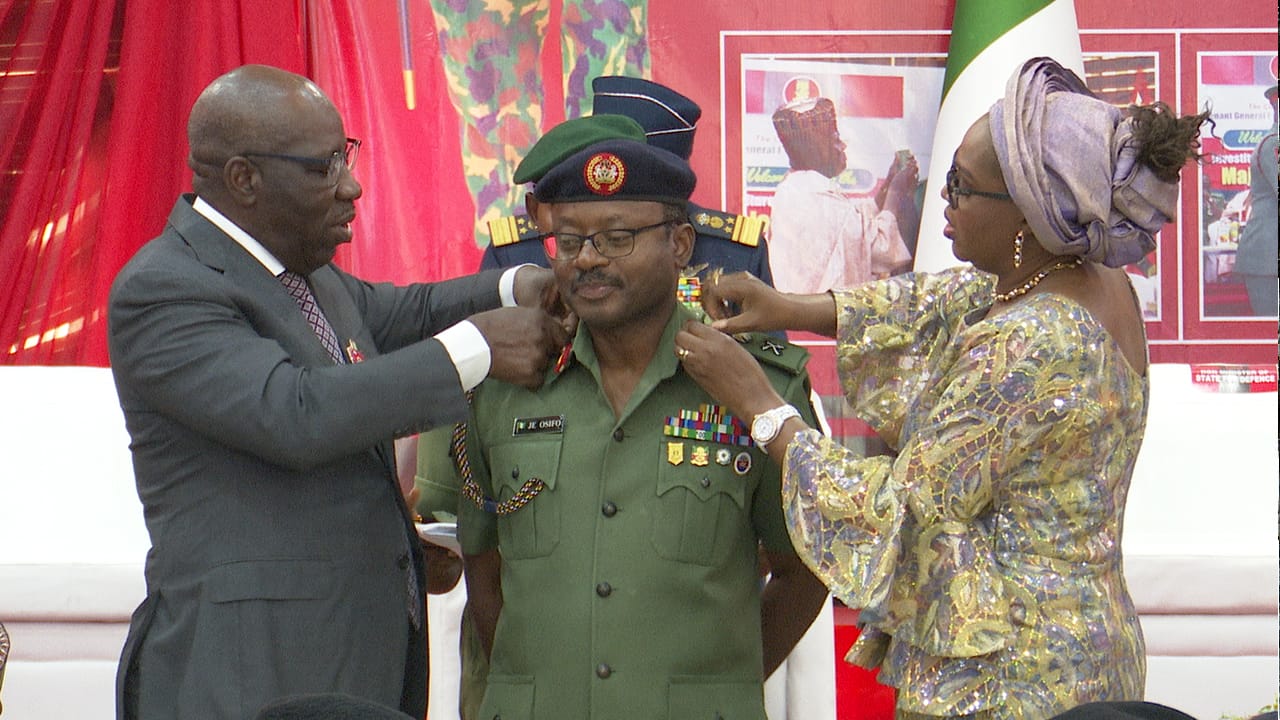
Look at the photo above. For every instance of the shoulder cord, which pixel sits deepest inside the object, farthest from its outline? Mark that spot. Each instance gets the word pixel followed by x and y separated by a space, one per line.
pixel 470 490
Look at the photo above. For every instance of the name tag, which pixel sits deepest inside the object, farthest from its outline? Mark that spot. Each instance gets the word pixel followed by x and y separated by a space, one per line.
pixel 547 424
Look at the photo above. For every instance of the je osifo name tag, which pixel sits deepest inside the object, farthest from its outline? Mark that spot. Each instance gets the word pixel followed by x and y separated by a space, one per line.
pixel 546 424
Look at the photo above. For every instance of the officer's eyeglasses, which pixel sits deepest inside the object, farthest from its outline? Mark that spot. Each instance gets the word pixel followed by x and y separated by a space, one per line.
pixel 331 166
pixel 607 243
pixel 954 191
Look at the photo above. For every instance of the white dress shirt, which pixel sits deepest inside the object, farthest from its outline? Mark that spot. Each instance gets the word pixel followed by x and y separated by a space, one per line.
pixel 463 341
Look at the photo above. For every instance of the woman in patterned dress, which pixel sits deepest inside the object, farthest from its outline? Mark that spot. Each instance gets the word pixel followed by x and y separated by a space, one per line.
pixel 985 554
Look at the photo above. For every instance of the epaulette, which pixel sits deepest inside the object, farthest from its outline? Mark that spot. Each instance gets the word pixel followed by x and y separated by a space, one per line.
pixel 776 352
pixel 742 229
pixel 511 230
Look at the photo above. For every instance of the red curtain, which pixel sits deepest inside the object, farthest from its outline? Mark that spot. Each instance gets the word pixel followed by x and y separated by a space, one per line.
pixel 54 103
pixel 95 94
pixel 94 97
pixel 415 220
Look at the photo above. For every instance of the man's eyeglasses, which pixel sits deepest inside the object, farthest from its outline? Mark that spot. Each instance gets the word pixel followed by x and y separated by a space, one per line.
pixel 608 243
pixel 954 191
pixel 330 167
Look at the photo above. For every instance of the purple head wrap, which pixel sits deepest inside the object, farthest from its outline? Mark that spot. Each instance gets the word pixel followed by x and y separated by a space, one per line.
pixel 1070 163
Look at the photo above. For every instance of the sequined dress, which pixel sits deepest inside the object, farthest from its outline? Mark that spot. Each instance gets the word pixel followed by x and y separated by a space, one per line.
pixel 985 555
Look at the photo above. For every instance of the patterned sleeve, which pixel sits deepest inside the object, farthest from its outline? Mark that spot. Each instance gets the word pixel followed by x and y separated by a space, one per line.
pixel 909 539
pixel 893 336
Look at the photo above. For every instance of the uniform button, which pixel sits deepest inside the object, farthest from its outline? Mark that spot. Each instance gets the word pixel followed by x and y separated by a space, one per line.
pixel 609 509
pixel 617 435
pixel 604 589
pixel 706 482
pixel 515 472
pixel 403 562
pixel 603 671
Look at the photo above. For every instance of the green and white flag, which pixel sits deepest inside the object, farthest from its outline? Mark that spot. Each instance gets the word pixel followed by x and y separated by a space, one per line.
pixel 989 40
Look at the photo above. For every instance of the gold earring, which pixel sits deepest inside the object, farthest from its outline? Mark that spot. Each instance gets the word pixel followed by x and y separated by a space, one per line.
pixel 1017 250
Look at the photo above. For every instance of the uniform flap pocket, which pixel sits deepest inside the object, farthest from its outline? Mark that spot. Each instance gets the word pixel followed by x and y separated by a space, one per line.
pixel 704 482
pixel 513 464
pixel 270 580
pixel 508 696
pixel 715 697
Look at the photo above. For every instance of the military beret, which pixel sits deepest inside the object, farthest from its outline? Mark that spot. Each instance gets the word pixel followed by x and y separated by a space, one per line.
pixel 571 136
pixel 668 118
pixel 618 169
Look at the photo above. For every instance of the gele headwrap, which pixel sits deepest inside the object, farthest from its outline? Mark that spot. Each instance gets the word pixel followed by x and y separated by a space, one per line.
pixel 1070 163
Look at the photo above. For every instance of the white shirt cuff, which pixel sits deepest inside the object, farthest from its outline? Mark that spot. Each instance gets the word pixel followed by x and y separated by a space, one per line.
pixel 469 352
pixel 507 285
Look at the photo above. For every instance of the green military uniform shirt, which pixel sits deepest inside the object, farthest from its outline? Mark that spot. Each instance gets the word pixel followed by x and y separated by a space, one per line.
pixel 630 582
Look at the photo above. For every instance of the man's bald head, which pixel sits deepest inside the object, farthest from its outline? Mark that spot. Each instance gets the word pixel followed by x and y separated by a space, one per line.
pixel 263 142
pixel 254 107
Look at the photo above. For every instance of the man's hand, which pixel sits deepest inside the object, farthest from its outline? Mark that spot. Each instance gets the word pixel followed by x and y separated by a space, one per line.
pixel 443 569
pixel 522 342
pixel 535 287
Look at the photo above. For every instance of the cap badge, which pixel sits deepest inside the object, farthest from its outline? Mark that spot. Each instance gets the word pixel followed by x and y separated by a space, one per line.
pixel 604 173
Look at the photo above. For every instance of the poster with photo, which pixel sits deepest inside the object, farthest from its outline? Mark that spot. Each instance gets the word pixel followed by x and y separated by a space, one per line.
pixel 1237 234
pixel 833 152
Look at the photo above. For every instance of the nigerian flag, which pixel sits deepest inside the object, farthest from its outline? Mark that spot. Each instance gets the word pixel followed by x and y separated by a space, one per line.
pixel 989 40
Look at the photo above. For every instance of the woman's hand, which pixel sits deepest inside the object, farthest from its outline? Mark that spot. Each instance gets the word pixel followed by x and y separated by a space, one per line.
pixel 759 307
pixel 723 368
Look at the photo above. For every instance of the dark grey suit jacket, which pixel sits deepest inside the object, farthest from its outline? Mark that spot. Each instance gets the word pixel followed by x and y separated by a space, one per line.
pixel 280 541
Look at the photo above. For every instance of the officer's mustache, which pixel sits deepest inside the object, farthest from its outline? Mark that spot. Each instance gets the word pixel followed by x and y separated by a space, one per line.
pixel 595 277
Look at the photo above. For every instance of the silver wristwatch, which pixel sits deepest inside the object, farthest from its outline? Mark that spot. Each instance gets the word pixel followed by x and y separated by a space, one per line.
pixel 768 424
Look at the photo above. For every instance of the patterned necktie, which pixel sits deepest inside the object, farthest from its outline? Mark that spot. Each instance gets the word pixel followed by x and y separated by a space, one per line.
pixel 301 292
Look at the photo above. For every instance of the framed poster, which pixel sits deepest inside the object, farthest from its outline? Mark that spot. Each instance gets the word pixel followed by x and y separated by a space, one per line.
pixel 869 99
pixel 1231 73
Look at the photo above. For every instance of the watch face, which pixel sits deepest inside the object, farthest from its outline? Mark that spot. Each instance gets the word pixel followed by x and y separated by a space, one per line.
pixel 763 428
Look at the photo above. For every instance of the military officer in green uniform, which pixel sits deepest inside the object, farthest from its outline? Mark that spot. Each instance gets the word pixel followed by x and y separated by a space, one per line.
pixel 612 519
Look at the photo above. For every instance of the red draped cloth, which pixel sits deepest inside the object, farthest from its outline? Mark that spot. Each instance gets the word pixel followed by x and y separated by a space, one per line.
pixel 94 98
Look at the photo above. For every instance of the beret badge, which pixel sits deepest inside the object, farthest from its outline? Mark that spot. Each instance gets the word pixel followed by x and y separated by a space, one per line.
pixel 604 173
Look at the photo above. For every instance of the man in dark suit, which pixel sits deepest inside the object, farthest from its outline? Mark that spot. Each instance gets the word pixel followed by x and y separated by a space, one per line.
pixel 262 387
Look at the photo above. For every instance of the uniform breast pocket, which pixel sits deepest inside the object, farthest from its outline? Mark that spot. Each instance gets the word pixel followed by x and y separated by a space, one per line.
pixel 533 528
pixel 701 507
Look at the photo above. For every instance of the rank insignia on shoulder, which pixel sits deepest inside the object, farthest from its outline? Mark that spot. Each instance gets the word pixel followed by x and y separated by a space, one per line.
pixel 775 352
pixel 741 229
pixel 511 229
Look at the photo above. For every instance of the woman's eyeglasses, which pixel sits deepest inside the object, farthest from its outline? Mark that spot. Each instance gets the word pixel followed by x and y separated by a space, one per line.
pixel 954 191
